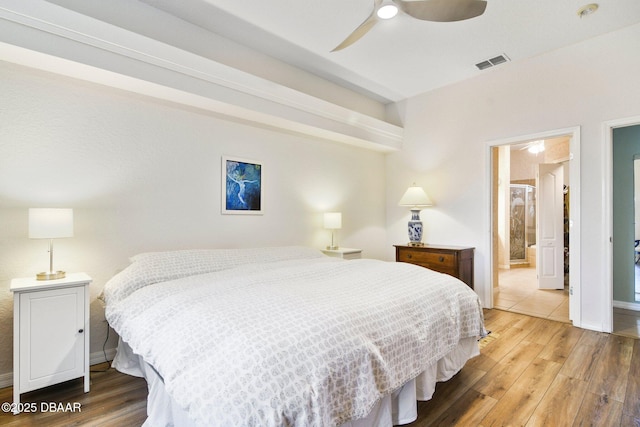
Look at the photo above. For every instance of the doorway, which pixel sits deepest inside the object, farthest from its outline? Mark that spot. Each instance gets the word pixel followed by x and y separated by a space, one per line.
pixel 514 283
pixel 622 144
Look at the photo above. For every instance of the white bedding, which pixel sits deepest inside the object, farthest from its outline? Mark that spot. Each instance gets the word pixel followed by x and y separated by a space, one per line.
pixel 286 336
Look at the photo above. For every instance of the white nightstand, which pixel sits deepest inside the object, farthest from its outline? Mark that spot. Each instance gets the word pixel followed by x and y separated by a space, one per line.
pixel 344 253
pixel 50 332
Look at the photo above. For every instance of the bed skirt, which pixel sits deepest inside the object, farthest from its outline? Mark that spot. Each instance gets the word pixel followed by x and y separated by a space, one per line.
pixel 398 408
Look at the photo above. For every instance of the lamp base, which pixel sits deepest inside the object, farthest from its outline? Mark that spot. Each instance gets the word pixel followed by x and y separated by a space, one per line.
pixel 51 275
pixel 415 244
pixel 332 248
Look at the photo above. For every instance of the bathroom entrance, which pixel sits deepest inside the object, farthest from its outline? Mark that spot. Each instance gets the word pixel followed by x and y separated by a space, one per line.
pixel 529 203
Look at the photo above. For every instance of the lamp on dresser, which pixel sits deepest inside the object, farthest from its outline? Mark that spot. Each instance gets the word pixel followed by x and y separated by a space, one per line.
pixel 416 199
pixel 49 223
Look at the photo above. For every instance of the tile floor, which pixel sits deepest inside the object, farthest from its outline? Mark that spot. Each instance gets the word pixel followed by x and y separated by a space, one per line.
pixel 518 292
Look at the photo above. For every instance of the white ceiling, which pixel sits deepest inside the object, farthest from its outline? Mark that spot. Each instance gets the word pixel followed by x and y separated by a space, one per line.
pixel 402 57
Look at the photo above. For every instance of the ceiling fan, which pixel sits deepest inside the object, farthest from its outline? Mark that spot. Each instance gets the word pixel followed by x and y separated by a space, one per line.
pixel 425 10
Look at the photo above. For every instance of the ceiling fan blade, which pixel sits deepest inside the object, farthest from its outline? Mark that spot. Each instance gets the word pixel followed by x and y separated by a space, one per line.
pixel 362 29
pixel 443 10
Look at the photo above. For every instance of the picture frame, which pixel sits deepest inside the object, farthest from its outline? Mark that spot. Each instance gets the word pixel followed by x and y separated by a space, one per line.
pixel 242 184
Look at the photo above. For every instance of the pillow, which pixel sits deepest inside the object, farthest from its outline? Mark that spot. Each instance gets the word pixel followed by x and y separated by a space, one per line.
pixel 154 267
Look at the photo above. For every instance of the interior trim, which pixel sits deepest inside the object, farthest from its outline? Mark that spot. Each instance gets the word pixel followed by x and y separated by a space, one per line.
pixel 607 215
pixel 35 33
pixel 575 236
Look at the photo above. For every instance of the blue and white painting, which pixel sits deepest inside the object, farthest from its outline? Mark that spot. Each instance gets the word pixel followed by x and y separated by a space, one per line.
pixel 242 183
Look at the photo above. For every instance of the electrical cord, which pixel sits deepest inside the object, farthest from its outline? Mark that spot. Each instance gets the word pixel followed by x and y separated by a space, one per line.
pixel 104 351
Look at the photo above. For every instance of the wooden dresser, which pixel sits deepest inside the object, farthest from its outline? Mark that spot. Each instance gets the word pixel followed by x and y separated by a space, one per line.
pixel 454 260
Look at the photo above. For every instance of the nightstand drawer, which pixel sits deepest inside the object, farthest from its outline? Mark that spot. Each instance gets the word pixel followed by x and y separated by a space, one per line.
pixel 430 258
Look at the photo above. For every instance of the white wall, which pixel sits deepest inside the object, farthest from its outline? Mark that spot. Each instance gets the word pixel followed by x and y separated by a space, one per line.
pixel 143 175
pixel 446 135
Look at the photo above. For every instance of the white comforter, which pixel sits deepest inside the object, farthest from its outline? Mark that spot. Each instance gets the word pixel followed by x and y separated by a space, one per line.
pixel 298 340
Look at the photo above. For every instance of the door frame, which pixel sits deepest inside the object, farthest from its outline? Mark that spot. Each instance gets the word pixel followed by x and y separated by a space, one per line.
pixel 607 214
pixel 574 215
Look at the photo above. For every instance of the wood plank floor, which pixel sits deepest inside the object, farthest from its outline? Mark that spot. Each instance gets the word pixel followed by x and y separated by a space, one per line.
pixel 540 372
pixel 531 372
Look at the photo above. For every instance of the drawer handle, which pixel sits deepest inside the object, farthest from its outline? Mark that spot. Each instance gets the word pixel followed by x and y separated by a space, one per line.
pixel 409 256
pixel 441 259
pixel 81 331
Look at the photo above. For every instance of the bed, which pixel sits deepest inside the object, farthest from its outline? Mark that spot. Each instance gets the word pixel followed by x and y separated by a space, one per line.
pixel 287 336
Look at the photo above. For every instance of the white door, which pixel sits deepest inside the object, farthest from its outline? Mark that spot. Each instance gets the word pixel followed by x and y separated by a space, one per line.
pixel 550 219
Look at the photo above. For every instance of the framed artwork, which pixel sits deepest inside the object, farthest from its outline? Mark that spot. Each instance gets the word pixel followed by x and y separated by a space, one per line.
pixel 242 182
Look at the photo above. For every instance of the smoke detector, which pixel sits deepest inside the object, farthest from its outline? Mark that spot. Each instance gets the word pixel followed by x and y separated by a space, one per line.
pixel 587 10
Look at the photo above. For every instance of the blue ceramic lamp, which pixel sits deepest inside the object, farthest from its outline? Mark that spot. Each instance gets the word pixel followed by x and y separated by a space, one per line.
pixel 416 199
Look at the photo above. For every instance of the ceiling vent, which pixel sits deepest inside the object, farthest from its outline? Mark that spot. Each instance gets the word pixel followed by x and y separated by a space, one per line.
pixel 492 62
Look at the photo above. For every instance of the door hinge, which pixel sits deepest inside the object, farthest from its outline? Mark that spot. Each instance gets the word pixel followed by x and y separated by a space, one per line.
pixel 571 290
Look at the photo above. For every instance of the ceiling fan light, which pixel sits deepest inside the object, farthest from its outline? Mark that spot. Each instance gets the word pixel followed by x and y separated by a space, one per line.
pixel 387 11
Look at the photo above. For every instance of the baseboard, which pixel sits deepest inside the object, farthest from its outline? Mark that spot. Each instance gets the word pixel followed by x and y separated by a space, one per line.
pixel 6 379
pixel 98 356
pixel 634 306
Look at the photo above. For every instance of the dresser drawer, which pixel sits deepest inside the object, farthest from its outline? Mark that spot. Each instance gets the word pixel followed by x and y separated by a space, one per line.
pixel 453 260
pixel 415 257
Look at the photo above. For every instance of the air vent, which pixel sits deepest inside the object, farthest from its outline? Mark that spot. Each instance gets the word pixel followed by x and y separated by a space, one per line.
pixel 497 60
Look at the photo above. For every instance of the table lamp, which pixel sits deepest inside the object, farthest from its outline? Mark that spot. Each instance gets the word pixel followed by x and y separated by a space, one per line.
pixel 46 223
pixel 333 221
pixel 416 198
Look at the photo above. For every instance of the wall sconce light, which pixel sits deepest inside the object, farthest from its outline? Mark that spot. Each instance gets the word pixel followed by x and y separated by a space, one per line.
pixel 45 223
pixel 416 199
pixel 333 221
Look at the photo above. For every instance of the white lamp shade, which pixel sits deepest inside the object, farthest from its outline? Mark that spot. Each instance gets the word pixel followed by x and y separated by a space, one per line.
pixel 46 223
pixel 415 196
pixel 333 220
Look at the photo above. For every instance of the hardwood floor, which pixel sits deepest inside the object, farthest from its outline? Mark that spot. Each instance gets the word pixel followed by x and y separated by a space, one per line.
pixel 539 372
pixel 115 399
pixel 626 322
pixel 531 372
